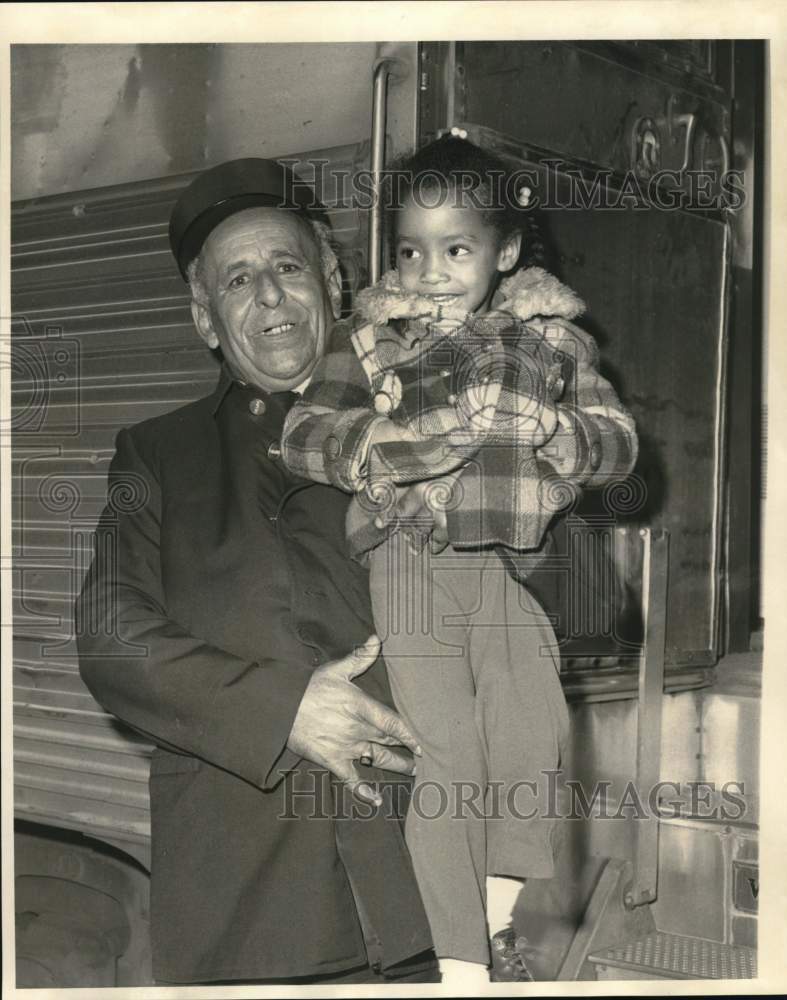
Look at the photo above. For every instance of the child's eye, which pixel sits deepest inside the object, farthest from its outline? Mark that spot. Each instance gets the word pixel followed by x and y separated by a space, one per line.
pixel 409 253
pixel 458 251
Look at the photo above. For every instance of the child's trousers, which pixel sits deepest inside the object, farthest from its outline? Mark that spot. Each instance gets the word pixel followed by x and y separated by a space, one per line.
pixel 473 666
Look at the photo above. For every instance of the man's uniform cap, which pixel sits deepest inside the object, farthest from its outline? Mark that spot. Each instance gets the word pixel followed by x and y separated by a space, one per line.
pixel 228 188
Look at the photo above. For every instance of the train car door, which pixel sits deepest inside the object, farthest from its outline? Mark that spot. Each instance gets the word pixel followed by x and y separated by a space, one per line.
pixel 627 147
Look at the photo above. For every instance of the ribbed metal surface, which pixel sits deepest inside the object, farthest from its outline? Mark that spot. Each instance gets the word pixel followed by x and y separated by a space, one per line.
pixel 102 338
pixel 676 956
pixel 74 766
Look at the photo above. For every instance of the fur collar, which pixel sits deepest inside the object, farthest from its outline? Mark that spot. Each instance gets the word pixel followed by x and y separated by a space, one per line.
pixel 527 293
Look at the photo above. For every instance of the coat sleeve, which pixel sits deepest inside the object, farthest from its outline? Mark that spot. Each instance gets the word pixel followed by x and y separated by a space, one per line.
pixel 596 438
pixel 326 434
pixel 180 692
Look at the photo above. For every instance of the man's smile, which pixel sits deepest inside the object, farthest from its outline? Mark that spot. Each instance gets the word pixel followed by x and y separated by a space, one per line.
pixel 273 331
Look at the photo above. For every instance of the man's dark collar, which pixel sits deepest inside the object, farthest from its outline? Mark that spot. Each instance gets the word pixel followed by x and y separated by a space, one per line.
pixel 227 381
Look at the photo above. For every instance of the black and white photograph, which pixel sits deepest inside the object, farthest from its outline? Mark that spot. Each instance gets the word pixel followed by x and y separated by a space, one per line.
pixel 348 344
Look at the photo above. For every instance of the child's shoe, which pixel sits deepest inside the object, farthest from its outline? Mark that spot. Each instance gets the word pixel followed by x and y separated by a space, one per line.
pixel 508 963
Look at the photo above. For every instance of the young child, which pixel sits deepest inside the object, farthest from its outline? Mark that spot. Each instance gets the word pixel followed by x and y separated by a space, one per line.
pixel 479 386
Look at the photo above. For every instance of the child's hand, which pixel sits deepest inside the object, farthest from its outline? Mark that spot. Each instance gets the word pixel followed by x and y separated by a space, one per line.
pixel 386 430
pixel 510 399
pixel 479 405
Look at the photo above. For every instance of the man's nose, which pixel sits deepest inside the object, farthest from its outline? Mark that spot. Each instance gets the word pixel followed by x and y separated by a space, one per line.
pixel 268 292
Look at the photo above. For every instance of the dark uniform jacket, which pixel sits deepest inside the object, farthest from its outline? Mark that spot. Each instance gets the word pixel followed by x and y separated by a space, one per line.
pixel 220 582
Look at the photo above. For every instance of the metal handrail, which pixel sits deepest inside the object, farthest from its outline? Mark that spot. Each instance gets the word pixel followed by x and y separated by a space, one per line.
pixel 655 571
pixel 382 71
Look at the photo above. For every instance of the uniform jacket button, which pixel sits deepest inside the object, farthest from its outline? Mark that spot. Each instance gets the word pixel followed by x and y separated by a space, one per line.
pixel 257 407
pixel 452 399
pixel 274 450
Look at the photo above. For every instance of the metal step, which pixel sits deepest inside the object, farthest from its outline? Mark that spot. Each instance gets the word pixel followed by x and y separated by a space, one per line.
pixel 675 956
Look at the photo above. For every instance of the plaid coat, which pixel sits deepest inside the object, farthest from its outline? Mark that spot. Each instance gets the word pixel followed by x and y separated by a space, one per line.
pixel 510 405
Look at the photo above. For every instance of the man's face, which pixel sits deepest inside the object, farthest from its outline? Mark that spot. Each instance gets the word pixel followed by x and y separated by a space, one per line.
pixel 270 311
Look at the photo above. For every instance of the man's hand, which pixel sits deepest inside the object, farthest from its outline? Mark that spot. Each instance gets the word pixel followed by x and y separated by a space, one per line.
pixel 338 723
pixel 422 505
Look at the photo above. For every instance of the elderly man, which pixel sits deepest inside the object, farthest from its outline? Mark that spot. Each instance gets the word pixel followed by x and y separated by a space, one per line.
pixel 217 619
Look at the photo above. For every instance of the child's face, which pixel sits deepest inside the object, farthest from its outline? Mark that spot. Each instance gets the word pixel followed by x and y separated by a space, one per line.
pixel 451 254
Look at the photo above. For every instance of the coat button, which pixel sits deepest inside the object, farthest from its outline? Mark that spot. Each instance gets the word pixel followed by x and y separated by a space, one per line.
pixel 332 448
pixel 383 403
pixel 274 450
pixel 257 407
pixel 451 400
pixel 556 386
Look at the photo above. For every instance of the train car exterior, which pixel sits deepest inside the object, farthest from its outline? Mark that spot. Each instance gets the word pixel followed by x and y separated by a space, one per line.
pixel 647 162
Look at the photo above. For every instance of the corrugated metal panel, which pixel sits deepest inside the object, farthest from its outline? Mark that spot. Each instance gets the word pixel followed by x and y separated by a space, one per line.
pixel 102 338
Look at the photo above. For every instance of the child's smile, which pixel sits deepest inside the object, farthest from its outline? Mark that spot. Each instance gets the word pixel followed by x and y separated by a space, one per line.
pixel 450 254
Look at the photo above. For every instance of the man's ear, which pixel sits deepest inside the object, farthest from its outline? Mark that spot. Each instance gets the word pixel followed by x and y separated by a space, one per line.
pixel 508 254
pixel 204 324
pixel 334 284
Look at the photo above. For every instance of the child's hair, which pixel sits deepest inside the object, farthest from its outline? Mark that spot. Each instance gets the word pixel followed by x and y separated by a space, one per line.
pixel 467 176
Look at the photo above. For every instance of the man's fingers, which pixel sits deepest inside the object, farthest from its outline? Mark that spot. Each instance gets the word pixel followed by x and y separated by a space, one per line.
pixel 412 502
pixel 360 788
pixel 391 725
pixel 388 741
pixel 392 760
pixel 439 538
pixel 361 659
